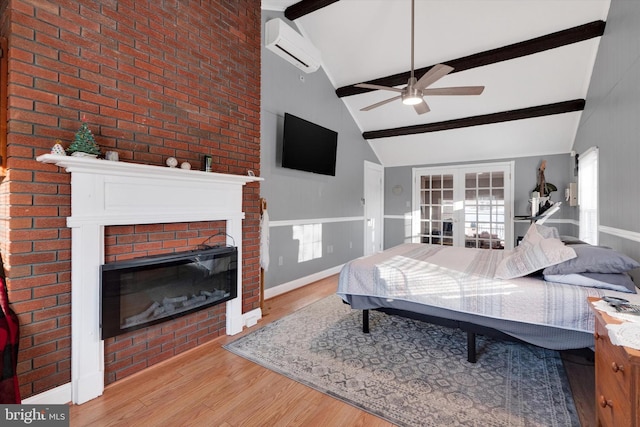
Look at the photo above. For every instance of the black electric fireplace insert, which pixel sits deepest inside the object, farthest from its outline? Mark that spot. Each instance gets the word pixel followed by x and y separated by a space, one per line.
pixel 140 292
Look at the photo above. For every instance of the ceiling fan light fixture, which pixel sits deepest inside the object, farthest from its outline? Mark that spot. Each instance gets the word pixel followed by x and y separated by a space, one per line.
pixel 411 99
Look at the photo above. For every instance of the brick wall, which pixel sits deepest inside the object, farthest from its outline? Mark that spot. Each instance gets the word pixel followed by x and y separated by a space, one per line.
pixel 154 79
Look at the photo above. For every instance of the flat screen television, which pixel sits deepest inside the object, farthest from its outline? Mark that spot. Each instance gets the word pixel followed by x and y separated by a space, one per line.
pixel 308 147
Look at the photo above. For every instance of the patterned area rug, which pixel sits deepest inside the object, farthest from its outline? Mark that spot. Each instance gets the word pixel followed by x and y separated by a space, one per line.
pixel 412 373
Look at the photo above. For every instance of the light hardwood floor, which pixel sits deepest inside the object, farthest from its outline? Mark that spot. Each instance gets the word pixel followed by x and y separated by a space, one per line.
pixel 209 386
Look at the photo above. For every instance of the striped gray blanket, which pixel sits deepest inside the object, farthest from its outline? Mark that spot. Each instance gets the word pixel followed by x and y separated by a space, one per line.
pixel 461 280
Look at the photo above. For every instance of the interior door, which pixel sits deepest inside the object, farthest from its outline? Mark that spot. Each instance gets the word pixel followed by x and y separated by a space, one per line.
pixel 464 206
pixel 373 207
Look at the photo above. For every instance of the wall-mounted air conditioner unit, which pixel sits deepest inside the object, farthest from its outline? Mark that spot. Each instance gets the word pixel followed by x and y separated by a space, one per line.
pixel 287 43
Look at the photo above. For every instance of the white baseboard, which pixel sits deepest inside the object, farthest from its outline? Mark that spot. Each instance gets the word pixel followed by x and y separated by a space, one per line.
pixel 56 396
pixel 298 283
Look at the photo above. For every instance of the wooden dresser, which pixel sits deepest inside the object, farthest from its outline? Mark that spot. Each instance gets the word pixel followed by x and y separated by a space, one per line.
pixel 617 378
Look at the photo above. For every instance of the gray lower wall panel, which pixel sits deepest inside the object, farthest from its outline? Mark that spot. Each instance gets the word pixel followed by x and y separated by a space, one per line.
pixel 345 240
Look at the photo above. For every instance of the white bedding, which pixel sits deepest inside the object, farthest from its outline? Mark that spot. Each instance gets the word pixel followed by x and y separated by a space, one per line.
pixel 461 280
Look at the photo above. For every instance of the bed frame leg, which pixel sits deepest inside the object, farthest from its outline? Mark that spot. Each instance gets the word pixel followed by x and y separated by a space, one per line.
pixel 365 321
pixel 471 347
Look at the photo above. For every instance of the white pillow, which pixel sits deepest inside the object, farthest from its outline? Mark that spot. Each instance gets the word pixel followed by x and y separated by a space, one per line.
pixel 537 230
pixel 546 231
pixel 534 253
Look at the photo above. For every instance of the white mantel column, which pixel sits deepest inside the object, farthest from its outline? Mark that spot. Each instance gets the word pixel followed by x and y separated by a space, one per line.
pixel 87 347
pixel 235 322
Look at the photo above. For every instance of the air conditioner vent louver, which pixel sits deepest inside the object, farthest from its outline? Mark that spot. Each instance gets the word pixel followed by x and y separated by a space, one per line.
pixel 288 44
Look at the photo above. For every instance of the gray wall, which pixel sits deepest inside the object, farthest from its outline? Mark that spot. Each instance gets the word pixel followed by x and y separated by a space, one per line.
pixel 611 121
pixel 295 195
pixel 559 171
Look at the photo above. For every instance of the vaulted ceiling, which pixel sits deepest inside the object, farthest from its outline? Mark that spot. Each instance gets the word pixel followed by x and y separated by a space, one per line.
pixel 534 58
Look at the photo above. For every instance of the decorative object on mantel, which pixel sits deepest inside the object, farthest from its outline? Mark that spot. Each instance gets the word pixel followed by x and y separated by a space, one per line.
pixel 112 156
pixel 84 144
pixel 185 165
pixel 172 162
pixel 208 161
pixel 58 149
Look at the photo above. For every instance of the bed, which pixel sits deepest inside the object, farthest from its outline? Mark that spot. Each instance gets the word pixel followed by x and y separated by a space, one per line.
pixel 493 292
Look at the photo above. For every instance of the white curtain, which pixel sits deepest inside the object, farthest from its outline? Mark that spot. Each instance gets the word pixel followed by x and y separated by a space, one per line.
pixel 264 240
pixel 588 195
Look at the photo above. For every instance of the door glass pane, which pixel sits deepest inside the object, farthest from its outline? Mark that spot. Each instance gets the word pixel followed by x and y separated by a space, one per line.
pixel 426 198
pixel 484 180
pixel 470 180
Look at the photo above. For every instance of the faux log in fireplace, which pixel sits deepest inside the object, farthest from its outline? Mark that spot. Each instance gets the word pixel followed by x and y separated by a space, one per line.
pixel 145 291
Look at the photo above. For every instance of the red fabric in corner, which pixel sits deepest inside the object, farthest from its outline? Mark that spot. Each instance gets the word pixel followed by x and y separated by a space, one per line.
pixel 9 338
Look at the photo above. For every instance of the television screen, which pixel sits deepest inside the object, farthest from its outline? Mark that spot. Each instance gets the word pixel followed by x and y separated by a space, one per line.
pixel 308 147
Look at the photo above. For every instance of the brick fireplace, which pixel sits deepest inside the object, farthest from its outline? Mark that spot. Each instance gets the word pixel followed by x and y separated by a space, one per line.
pixel 105 193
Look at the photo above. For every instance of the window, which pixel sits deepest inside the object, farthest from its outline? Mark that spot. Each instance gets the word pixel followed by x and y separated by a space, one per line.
pixel 309 237
pixel 588 195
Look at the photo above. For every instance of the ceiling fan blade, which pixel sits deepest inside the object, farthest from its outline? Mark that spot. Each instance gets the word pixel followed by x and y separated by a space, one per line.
pixel 378 104
pixel 422 107
pixel 460 90
pixel 435 73
pixel 377 87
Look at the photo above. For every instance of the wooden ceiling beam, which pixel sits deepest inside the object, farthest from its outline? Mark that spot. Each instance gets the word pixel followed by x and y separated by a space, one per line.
pixel 504 116
pixel 516 50
pixel 305 7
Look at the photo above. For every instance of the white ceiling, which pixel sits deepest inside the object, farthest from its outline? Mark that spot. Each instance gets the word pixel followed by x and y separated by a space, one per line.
pixel 361 40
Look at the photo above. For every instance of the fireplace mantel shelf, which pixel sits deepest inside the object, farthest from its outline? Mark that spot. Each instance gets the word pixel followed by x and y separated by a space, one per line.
pixel 106 167
pixel 117 193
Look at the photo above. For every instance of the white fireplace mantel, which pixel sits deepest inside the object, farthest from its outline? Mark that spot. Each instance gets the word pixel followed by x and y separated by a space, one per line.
pixel 119 193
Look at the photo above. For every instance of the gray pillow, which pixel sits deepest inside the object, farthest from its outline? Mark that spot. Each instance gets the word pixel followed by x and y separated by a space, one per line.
pixel 620 282
pixel 571 240
pixel 593 259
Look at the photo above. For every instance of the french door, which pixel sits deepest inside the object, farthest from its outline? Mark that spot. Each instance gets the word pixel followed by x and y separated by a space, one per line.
pixel 467 205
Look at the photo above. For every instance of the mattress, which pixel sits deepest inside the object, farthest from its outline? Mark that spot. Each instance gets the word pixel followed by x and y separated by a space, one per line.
pixel 458 283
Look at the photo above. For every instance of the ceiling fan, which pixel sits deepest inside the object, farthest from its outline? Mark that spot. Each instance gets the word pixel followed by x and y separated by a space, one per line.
pixel 414 92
